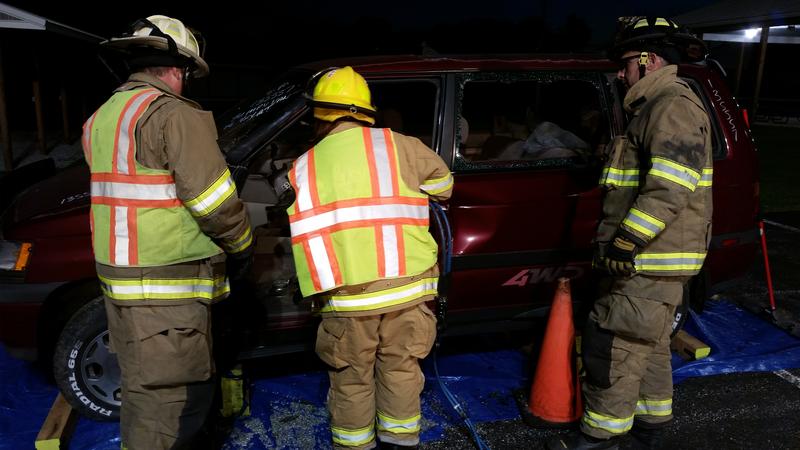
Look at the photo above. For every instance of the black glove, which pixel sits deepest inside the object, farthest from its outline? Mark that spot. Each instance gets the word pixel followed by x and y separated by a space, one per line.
pixel 279 179
pixel 238 264
pixel 618 260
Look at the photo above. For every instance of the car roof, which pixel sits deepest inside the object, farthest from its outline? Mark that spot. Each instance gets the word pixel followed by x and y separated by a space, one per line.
pixel 374 65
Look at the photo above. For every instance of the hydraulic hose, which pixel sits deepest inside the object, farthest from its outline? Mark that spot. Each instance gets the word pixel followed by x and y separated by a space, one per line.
pixel 446 241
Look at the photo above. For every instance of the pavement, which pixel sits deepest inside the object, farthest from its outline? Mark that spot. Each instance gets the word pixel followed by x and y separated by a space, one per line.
pixel 733 411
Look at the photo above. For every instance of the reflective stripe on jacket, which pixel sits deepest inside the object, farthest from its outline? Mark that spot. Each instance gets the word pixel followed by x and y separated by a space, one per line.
pixel 658 178
pixel 354 219
pixel 137 218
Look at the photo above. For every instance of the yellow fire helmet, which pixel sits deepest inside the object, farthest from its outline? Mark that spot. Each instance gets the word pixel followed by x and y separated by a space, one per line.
pixel 161 40
pixel 343 92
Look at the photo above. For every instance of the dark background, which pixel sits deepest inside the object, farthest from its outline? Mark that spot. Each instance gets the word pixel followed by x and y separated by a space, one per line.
pixel 249 42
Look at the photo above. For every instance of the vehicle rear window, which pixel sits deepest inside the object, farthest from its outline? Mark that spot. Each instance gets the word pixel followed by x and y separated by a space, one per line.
pixel 529 120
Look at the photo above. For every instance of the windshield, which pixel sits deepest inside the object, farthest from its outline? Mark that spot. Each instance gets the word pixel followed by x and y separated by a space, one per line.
pixel 238 122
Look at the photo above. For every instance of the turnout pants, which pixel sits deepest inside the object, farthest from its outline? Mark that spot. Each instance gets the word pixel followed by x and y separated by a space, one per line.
pixel 627 356
pixel 375 376
pixel 166 365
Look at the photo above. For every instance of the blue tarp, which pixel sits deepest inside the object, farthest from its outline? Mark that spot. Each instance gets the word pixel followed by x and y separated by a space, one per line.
pixel 739 341
pixel 289 411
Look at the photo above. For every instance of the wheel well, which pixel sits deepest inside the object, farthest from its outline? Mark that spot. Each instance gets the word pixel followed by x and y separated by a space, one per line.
pixel 57 309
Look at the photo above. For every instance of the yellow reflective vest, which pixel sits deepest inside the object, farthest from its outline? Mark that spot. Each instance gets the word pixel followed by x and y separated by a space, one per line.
pixel 355 220
pixel 137 219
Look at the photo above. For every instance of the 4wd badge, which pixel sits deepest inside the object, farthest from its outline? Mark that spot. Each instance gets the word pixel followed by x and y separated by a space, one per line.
pixel 544 275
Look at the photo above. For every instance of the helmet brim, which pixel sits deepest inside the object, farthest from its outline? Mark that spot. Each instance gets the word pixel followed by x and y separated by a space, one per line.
pixel 682 41
pixel 124 44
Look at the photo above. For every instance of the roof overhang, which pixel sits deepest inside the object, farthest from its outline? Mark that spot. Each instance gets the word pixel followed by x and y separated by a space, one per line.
pixel 781 34
pixel 15 18
pixel 730 15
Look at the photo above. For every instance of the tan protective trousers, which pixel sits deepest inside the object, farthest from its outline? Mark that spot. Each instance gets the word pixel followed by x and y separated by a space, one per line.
pixel 164 354
pixel 627 356
pixel 375 376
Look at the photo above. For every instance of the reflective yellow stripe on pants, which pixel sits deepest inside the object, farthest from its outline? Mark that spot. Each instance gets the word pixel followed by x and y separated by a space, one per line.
pixel 352 438
pixel 610 424
pixel 654 407
pixel 398 426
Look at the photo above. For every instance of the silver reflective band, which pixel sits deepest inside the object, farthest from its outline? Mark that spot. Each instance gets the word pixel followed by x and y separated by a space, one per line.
pixel 620 177
pixel 669 261
pixel 441 186
pixel 159 289
pixel 352 438
pixel 654 410
pixel 133 191
pixel 203 206
pixel 674 172
pixel 385 424
pixel 707 178
pixel 358 213
pixel 382 163
pixel 609 424
pixel 124 138
pixel 380 297
pixel 164 288
pixel 304 202
pixel 640 221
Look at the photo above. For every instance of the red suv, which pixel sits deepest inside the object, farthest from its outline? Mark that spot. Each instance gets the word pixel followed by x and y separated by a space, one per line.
pixel 522 135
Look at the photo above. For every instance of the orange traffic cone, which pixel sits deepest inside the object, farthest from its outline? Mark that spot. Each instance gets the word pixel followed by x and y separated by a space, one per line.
pixel 556 393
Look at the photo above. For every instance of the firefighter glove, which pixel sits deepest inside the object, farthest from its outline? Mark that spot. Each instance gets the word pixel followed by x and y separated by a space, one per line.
pixel 238 264
pixel 618 260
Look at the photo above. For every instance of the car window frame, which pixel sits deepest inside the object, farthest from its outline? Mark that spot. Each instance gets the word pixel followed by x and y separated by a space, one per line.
pixel 595 77
pixel 439 101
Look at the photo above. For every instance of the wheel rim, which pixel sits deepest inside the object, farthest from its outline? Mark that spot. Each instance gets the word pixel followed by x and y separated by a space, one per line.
pixel 100 370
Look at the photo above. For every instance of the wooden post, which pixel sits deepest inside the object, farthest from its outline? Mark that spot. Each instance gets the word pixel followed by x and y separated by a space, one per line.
pixel 8 155
pixel 37 104
pixel 761 60
pixel 739 70
pixel 57 427
pixel 65 114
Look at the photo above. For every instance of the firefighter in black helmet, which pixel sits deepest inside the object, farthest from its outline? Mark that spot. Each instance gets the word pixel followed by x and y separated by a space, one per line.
pixel 652 238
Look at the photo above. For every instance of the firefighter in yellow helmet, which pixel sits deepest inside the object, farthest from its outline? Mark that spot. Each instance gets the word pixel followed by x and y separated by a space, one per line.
pixel 652 238
pixel 164 215
pixel 361 247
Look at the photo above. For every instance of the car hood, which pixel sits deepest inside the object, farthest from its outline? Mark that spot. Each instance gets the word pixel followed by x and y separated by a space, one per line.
pixel 64 192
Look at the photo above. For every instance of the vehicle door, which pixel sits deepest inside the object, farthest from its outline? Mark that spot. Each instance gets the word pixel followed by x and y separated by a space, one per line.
pixel 526 157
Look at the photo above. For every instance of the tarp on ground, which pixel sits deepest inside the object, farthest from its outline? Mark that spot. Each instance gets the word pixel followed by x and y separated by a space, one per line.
pixel 288 411
pixel 739 341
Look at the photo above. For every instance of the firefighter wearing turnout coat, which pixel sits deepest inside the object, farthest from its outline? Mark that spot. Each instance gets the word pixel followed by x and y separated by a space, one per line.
pixel 361 246
pixel 164 212
pixel 653 237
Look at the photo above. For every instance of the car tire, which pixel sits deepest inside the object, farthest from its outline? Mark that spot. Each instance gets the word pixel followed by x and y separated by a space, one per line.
pixel 86 372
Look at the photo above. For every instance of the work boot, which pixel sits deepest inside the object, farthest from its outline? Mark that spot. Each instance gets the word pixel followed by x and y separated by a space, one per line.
pixel 646 438
pixel 575 440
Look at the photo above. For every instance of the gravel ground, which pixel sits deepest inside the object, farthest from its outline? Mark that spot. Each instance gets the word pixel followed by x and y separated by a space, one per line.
pixel 737 411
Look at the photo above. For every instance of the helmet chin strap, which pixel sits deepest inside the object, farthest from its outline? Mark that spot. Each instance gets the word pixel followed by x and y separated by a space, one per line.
pixel 644 59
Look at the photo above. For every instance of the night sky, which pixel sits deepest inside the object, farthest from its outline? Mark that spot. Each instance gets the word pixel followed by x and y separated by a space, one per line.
pixel 249 45
pixel 280 35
